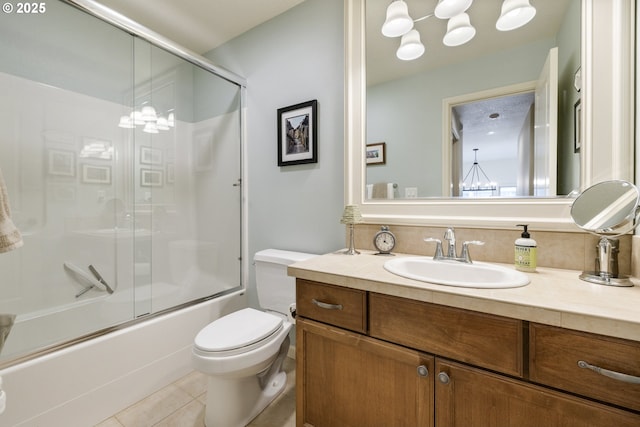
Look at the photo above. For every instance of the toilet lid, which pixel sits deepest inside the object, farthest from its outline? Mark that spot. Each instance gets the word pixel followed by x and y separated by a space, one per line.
pixel 238 329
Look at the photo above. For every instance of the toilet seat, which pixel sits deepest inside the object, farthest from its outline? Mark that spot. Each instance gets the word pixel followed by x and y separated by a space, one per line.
pixel 238 332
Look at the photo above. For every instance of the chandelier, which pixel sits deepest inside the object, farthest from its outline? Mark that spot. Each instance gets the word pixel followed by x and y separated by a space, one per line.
pixel 149 119
pixel 514 14
pixel 473 181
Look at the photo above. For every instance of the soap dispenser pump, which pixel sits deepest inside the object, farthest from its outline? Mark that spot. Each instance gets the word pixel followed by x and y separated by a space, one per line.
pixel 526 248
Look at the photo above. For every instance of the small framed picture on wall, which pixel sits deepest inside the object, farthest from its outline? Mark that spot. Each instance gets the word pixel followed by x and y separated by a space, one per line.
pixel 298 134
pixel 376 153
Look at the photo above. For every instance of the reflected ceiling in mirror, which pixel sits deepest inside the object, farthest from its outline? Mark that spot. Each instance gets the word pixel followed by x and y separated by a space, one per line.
pixel 405 98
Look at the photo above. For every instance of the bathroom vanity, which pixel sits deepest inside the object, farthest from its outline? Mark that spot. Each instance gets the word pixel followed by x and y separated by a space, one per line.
pixel 376 349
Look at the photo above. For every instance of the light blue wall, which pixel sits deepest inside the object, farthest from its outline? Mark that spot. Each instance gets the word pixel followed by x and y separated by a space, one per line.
pixel 295 57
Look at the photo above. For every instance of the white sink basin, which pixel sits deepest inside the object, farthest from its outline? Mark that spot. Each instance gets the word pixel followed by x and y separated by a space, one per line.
pixel 454 273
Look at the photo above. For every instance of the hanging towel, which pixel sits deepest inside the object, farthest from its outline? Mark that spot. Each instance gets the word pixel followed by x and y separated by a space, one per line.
pixel 6 323
pixel 383 190
pixel 10 237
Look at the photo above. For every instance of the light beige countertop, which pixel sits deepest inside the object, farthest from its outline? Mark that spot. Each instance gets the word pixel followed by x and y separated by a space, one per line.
pixel 554 297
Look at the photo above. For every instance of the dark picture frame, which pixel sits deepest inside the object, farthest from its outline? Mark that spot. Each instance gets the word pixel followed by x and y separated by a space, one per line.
pixel 376 153
pixel 298 134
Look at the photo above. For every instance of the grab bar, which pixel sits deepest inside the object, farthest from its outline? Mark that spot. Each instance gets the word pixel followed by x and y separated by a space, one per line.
pixel 97 283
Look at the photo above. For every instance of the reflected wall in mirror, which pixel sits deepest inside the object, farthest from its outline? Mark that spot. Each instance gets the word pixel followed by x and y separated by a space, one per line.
pixel 431 148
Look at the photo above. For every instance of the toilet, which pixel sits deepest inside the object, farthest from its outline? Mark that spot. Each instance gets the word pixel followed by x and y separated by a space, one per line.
pixel 242 353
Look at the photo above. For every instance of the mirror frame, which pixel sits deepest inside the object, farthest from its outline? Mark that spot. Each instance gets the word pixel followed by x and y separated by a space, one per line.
pixel 608 116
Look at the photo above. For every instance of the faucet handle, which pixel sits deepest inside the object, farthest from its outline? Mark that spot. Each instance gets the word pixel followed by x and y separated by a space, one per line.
pixel 466 257
pixel 438 254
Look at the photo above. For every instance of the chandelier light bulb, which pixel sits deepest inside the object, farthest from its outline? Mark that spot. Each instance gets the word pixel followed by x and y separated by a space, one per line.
pixel 398 21
pixel 126 122
pixel 410 46
pixel 515 14
pixel 449 8
pixel 149 114
pixel 459 30
pixel 150 127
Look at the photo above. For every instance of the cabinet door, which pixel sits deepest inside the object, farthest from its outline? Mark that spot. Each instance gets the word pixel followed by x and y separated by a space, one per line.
pixel 344 379
pixel 470 397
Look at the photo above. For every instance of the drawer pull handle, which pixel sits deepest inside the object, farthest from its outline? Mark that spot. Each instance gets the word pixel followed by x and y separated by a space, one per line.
pixel 611 374
pixel 326 306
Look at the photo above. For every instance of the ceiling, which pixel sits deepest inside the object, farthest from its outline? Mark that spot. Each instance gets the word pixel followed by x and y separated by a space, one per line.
pixel 200 25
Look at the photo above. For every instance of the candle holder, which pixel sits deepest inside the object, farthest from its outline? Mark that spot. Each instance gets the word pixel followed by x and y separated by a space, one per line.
pixel 350 217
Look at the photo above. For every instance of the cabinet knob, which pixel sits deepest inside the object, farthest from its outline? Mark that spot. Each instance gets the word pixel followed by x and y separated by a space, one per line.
pixel 423 371
pixel 444 378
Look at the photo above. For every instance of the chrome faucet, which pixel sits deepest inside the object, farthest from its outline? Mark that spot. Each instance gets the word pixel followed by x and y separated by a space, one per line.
pixel 450 237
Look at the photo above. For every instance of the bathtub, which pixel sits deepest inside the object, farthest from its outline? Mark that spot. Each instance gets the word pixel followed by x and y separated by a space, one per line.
pixel 85 383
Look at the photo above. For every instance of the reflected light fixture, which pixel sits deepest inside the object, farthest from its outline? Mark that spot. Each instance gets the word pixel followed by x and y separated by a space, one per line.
pixel 149 119
pixel 149 114
pixel 459 30
pixel 398 21
pixel 449 8
pixel 475 182
pixel 515 14
pixel 410 46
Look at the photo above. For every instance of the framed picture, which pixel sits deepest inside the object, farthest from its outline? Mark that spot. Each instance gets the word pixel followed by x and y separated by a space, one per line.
pixel 94 174
pixel 150 156
pixel 61 162
pixel 298 134
pixel 577 126
pixel 151 178
pixel 376 153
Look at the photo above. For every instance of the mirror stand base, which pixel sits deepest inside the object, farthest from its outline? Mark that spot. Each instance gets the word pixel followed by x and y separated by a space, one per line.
pixel 594 277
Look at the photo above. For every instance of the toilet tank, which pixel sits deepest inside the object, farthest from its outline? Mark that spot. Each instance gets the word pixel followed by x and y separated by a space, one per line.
pixel 276 290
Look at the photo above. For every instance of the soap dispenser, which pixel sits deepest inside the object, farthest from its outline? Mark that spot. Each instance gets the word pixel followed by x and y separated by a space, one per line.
pixel 526 247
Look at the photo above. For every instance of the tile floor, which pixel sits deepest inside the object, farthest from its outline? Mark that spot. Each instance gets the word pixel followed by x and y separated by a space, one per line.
pixel 181 404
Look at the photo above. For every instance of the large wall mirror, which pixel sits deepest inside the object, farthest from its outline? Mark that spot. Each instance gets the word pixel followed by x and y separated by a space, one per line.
pixel 416 129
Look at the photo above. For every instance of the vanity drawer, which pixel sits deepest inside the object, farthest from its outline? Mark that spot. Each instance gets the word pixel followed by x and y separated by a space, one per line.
pixel 335 305
pixel 556 352
pixel 481 339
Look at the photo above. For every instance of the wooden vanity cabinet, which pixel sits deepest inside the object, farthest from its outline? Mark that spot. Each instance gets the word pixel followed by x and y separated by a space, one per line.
pixel 386 361
pixel 344 379
pixel 556 353
pixel 467 396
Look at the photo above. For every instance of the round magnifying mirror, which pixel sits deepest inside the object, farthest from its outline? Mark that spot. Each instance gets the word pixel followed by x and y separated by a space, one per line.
pixel 609 208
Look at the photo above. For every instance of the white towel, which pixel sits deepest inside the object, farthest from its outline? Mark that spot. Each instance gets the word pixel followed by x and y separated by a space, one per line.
pixel 382 190
pixel 10 237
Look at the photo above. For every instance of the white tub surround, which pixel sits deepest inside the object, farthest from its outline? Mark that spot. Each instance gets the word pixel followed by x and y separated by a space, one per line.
pixel 554 297
pixel 86 383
